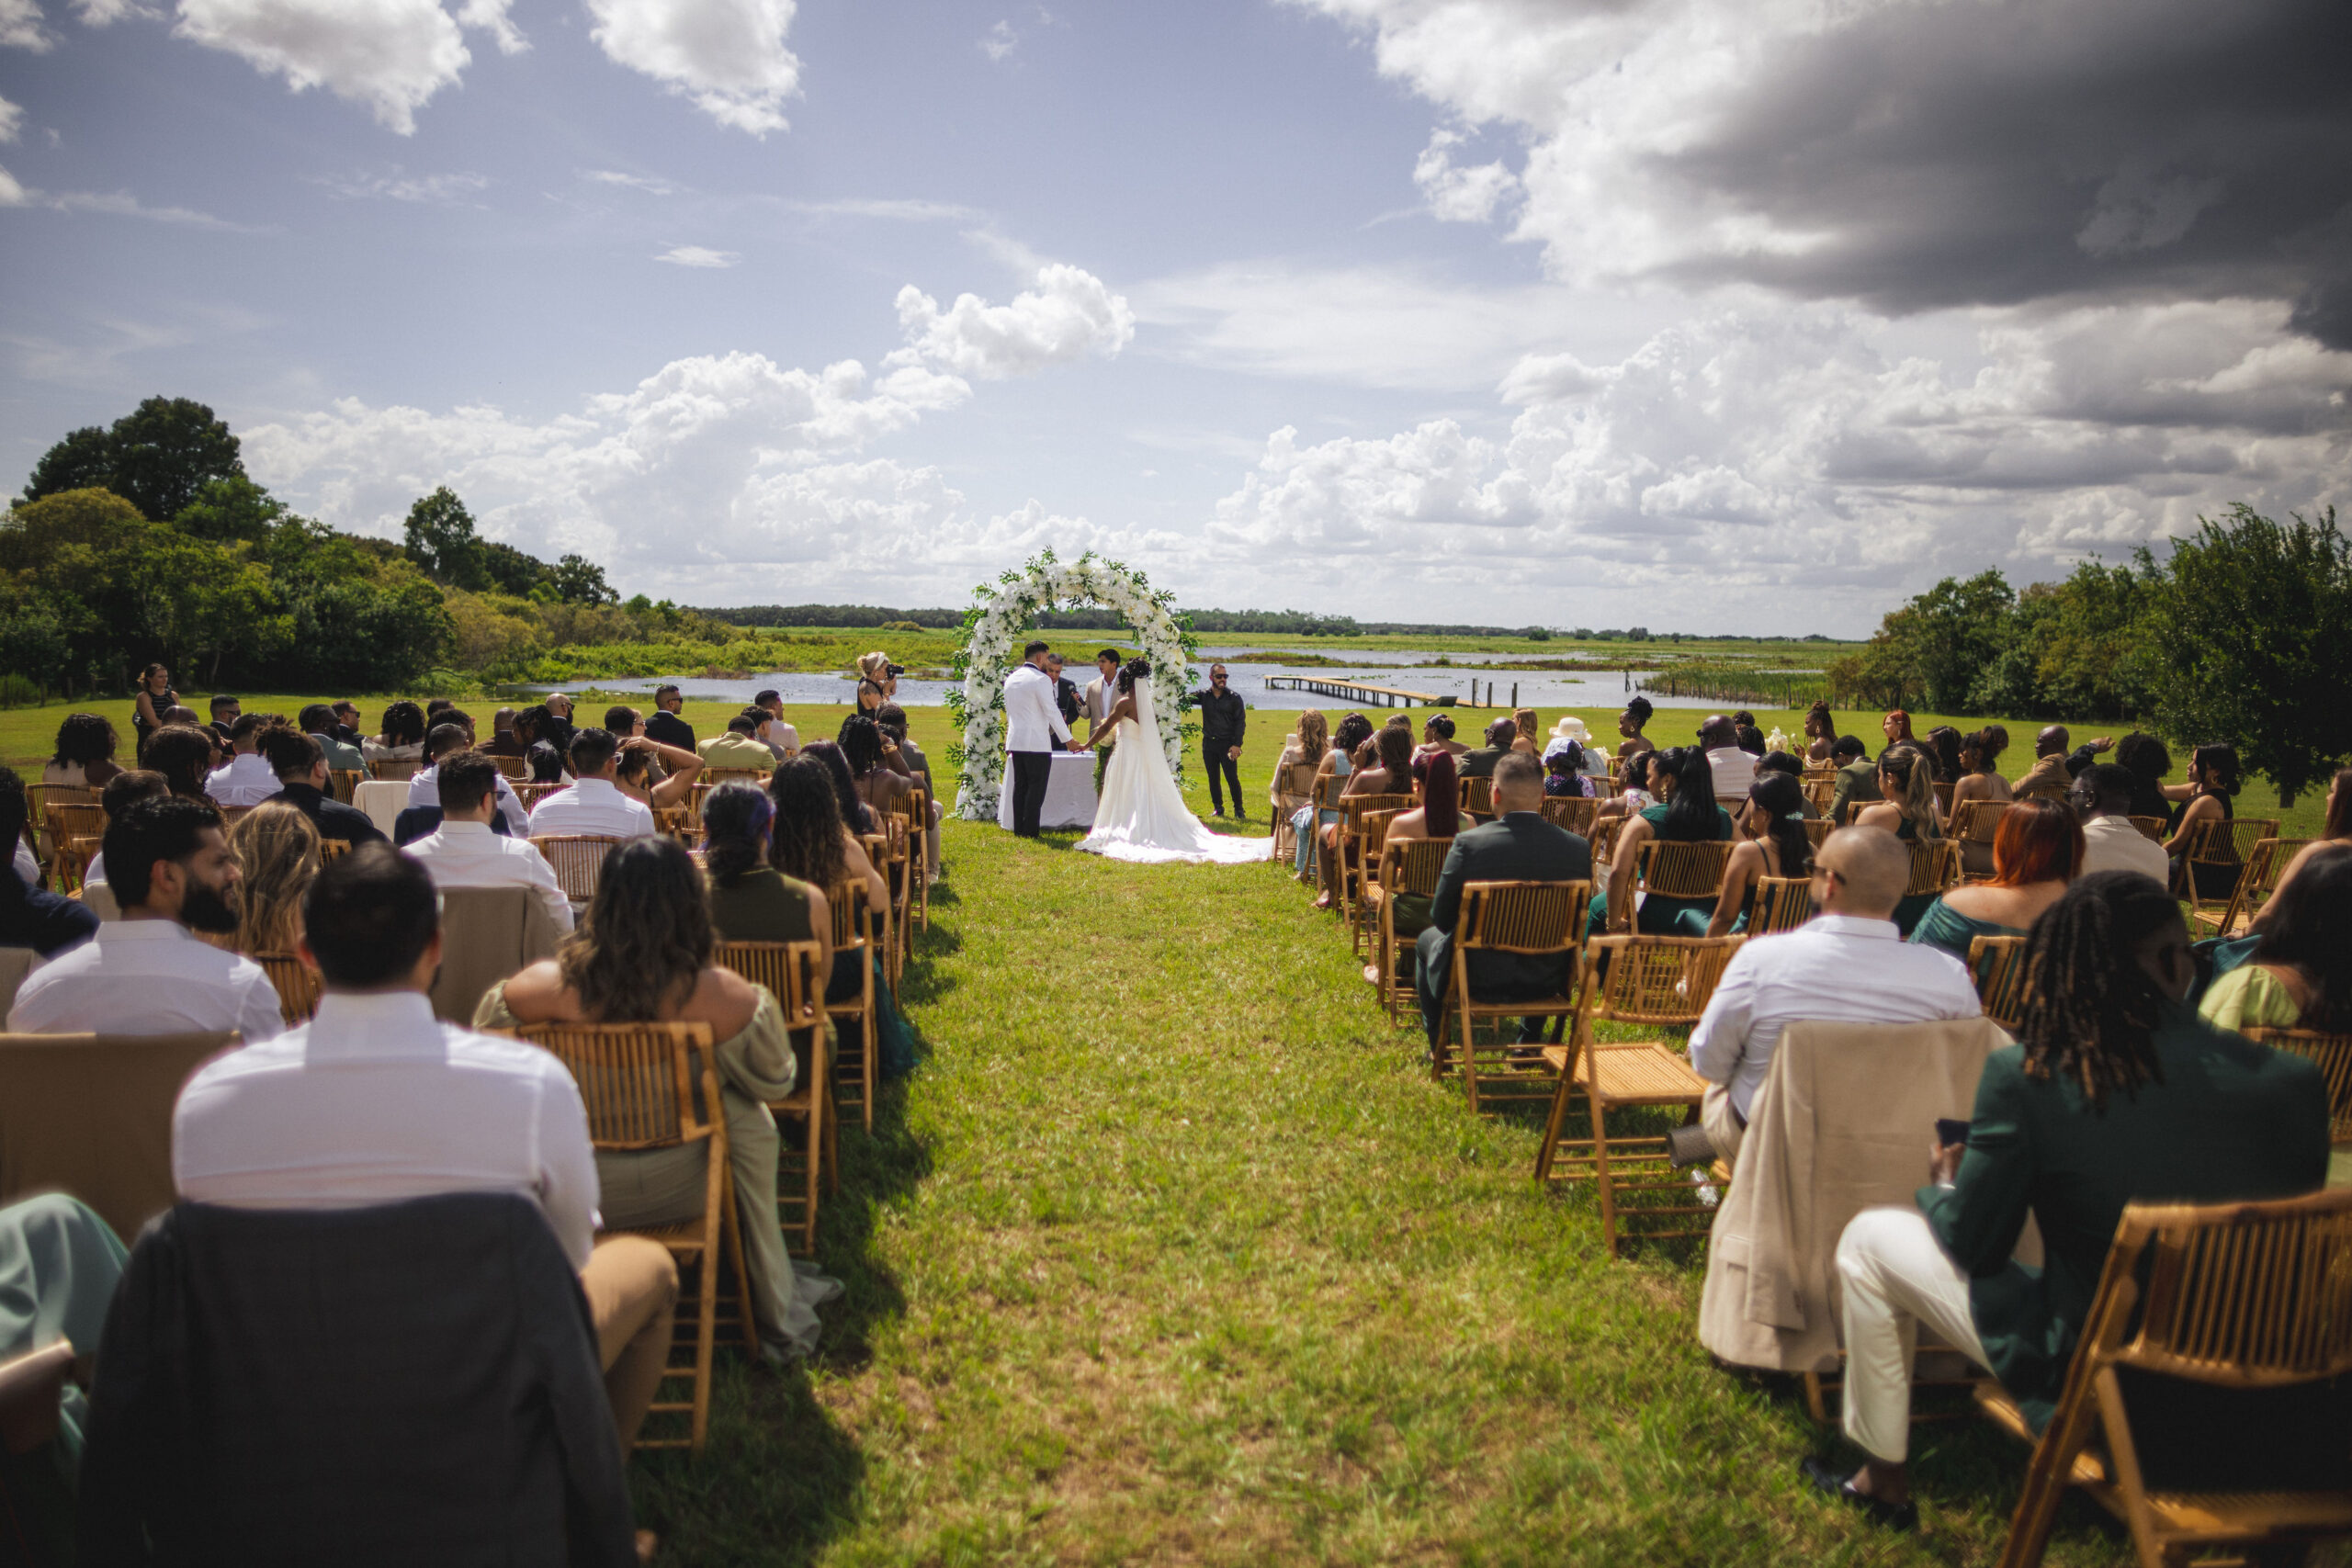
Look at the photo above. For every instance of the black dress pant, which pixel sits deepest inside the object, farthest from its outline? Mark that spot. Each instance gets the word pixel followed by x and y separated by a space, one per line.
pixel 1031 770
pixel 1216 756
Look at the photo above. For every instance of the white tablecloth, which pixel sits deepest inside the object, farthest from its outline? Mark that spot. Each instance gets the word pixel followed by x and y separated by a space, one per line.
pixel 1069 794
pixel 382 799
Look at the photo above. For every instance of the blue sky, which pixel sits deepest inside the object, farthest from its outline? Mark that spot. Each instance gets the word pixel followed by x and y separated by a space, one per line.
pixel 1671 311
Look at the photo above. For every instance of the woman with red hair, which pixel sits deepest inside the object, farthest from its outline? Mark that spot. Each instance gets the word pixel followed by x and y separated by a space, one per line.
pixel 2037 851
pixel 1896 726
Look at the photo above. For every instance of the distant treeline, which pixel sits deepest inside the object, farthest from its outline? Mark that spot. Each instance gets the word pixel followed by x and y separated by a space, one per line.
pixel 833 615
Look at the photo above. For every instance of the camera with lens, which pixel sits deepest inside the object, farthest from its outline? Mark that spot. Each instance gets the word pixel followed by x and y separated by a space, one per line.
pixel 894 671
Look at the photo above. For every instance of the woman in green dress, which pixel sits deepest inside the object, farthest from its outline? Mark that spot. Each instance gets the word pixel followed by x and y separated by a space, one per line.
pixel 1686 781
pixel 2301 974
pixel 1906 779
pixel 750 900
pixel 2037 850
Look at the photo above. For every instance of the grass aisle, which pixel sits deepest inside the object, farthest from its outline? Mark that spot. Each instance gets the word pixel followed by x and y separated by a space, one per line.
pixel 1171 1253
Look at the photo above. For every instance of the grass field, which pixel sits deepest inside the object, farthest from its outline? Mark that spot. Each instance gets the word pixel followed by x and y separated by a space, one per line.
pixel 1170 1252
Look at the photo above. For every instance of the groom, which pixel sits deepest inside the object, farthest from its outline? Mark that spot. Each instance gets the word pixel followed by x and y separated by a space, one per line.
pixel 1032 723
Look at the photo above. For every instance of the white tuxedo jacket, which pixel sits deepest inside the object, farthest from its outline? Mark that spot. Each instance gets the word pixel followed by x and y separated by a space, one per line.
pixel 1032 722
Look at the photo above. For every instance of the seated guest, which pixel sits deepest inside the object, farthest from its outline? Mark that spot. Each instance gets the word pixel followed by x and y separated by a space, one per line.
pixel 183 756
pixel 30 916
pixel 226 711
pixel 375 1100
pixel 464 852
pixel 1907 786
pixel 187 716
pixel 644 954
pixel 317 721
pixel 1846 964
pixel 1943 745
pixel 782 739
pixel 1683 778
pixel 277 854
pixel 2336 827
pixel 637 773
pixel 1438 730
pixel 2049 775
pixel 1980 761
pixel 623 720
pixel 2144 757
pixel 85 755
pixel 880 787
pixel 173 875
pixel 1524 725
pixel 347 727
pixel 2101 796
pixel 750 900
pixel 1897 728
pixel 2299 975
pixel 403 737
pixel 738 746
pixel 546 764
pixel 1856 776
pixel 1518 845
pixel 503 741
pixel 1564 776
pixel 893 720
pixel 2212 784
pixel 2037 850
pixel 247 780
pixel 855 813
pixel 1390 773
pixel 593 804
pixel 1788 763
pixel 1436 814
pixel 1734 768
pixel 664 725
pixel 808 843
pixel 2115 1093
pixel 1821 731
pixel 555 722
pixel 301 770
pixel 1480 763
pixel 59 1264
pixel 447 741
pixel 1774 844
pixel 1751 740
pixel 139 783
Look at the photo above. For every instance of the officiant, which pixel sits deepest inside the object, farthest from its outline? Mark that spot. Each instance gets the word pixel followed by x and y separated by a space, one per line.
pixel 1222 726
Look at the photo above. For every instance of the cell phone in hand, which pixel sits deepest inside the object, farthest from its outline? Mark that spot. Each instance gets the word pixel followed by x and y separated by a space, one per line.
pixel 1951 1131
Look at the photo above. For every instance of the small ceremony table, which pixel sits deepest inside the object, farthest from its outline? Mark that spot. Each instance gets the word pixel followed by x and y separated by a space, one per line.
pixel 1069 794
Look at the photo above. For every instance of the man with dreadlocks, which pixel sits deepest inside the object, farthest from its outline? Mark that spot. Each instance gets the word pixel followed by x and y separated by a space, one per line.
pixel 2115 1093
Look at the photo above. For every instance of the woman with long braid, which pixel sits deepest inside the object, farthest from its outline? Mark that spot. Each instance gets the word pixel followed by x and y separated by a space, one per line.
pixel 2115 1093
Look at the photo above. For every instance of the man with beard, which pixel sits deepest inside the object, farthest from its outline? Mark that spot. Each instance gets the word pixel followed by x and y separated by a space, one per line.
pixel 170 867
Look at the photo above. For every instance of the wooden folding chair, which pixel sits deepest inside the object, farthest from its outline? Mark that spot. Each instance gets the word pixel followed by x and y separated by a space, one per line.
pixel 64 823
pixel 1348 852
pixel 644 1091
pixel 2334 1055
pixel 1603 840
pixel 1408 868
pixel 1820 789
pixel 1298 790
pixel 333 849
pixel 2153 828
pixel 1329 789
pixel 297 984
pixel 1681 869
pixel 1661 982
pixel 918 816
pixel 1973 829
pixel 788 969
pixel 1935 866
pixel 230 815
pixel 1366 832
pixel 888 850
pixel 392 769
pixel 1943 797
pixel 516 769
pixel 853 1052
pixel 2263 869
pixel 1818 830
pixel 577 860
pixel 711 778
pixel 41 797
pixel 672 822
pixel 1998 966
pixel 2246 1296
pixel 1782 904
pixel 530 795
pixel 1478 798
pixel 1571 814
pixel 1534 919
pixel 2219 844
pixel 344 782
pixel 71 864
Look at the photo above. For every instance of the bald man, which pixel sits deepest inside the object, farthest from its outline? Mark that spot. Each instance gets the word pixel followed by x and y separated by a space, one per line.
pixel 2049 777
pixel 1848 965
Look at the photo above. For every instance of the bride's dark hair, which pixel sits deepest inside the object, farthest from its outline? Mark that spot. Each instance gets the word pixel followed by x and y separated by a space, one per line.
pixel 1134 670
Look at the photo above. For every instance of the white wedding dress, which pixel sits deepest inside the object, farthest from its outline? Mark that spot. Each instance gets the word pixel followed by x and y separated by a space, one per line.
pixel 1142 816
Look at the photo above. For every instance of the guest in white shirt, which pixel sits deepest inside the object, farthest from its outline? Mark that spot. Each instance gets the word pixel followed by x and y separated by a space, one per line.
pixel 2101 796
pixel 248 780
pixel 425 786
pixel 1735 769
pixel 593 804
pixel 464 852
pixel 1848 965
pixel 375 1102
pixel 169 867
pixel 782 739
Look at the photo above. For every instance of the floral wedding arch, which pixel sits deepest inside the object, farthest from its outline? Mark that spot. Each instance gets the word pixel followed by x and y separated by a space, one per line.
pixel 994 631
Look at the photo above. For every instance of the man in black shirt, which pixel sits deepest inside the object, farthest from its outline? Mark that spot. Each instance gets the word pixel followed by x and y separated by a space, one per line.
pixel 226 711
pixel 302 781
pixel 32 917
pixel 664 723
pixel 1222 726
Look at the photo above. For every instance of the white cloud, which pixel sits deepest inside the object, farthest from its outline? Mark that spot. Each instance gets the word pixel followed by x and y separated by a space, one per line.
pixel 422 189
pixel 12 120
pixel 20 27
pixel 122 204
pixel 105 13
pixel 697 255
pixel 1458 195
pixel 1069 314
pixel 391 55
pixel 646 183
pixel 11 193
pixel 999 41
pixel 898 209
pixel 727 55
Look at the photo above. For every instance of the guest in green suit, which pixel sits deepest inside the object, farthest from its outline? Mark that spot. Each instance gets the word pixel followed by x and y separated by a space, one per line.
pixel 2116 1093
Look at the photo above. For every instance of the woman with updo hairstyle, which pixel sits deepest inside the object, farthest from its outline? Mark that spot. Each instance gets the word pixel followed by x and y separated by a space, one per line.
pixel 750 900
pixel 645 953
pixel 1776 845
pixel 1980 776
pixel 1629 724
pixel 183 754
pixel 403 737
pixel 2037 851
pixel 85 756
pixel 1821 730
pixel 1906 779
pixel 277 854
pixel 545 762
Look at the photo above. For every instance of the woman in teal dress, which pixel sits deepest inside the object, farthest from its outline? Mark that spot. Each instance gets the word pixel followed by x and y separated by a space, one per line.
pixel 1689 814
pixel 1907 778
pixel 1776 845
pixel 2037 850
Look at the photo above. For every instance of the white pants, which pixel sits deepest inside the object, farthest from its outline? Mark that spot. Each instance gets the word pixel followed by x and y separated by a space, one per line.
pixel 1897 1276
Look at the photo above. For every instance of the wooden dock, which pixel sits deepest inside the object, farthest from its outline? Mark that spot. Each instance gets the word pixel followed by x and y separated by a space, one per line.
pixel 1357 692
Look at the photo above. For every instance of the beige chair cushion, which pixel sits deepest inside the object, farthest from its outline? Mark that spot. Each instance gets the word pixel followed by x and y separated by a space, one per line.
pixel 487 935
pixel 91 1115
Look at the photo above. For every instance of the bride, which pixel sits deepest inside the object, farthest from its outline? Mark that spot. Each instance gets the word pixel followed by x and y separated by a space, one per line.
pixel 1141 816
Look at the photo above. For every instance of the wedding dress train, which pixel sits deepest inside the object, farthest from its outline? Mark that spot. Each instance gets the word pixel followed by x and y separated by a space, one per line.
pixel 1142 816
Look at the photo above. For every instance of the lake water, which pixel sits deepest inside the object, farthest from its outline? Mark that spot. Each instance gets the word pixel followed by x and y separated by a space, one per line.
pixel 1542 689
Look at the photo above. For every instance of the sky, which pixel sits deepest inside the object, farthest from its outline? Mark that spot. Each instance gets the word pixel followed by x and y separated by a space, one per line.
pixel 1743 316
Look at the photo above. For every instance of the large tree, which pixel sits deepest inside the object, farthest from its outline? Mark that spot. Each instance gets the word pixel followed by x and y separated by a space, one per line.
pixel 159 456
pixel 441 540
